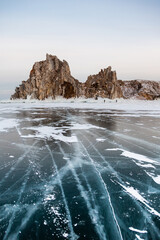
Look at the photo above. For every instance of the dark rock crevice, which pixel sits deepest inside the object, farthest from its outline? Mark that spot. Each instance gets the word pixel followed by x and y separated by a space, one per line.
pixel 68 90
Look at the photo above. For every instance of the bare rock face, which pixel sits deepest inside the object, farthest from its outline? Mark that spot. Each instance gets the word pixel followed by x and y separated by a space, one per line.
pixel 140 89
pixel 52 78
pixel 49 78
pixel 104 84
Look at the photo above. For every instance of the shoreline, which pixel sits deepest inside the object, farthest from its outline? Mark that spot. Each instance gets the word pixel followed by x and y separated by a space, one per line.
pixel 82 103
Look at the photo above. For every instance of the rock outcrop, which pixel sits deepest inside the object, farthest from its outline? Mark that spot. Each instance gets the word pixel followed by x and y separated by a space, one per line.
pixel 52 78
pixel 140 89
pixel 104 84
pixel 49 78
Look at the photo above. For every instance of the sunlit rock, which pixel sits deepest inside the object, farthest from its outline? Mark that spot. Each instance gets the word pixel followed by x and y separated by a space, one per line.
pixel 140 89
pixel 51 78
pixel 104 84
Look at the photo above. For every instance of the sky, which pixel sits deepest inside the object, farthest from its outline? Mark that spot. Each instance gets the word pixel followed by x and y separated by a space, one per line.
pixel 89 34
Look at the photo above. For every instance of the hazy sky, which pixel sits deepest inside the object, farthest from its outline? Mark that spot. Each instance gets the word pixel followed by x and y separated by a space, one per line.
pixel 89 34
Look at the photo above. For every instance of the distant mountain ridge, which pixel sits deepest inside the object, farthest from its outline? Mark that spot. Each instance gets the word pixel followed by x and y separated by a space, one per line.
pixel 52 78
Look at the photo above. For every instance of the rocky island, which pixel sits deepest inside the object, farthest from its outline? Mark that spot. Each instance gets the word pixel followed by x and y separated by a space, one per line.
pixel 52 78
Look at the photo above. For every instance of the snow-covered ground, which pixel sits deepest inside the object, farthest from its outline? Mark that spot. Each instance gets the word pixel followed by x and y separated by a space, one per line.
pixel 82 103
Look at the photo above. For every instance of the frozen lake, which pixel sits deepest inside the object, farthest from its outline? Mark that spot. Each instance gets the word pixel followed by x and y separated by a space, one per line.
pixel 70 173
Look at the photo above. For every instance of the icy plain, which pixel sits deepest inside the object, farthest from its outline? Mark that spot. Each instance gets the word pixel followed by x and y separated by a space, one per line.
pixel 80 170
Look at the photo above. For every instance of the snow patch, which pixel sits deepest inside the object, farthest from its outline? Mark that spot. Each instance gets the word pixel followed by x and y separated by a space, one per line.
pixel 134 193
pixel 100 139
pixel 6 124
pixel 137 156
pixel 76 126
pixel 146 165
pixel 132 155
pixel 139 238
pixel 58 132
pixel 156 137
pixel 156 179
pixel 50 132
pixel 137 230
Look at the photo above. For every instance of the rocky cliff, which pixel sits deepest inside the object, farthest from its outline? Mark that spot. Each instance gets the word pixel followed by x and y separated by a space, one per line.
pixel 49 78
pixel 140 89
pixel 104 84
pixel 52 78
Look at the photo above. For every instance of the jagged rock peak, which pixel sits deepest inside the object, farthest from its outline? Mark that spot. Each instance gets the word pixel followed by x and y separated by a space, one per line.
pixel 49 78
pixel 52 78
pixel 104 84
pixel 54 64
